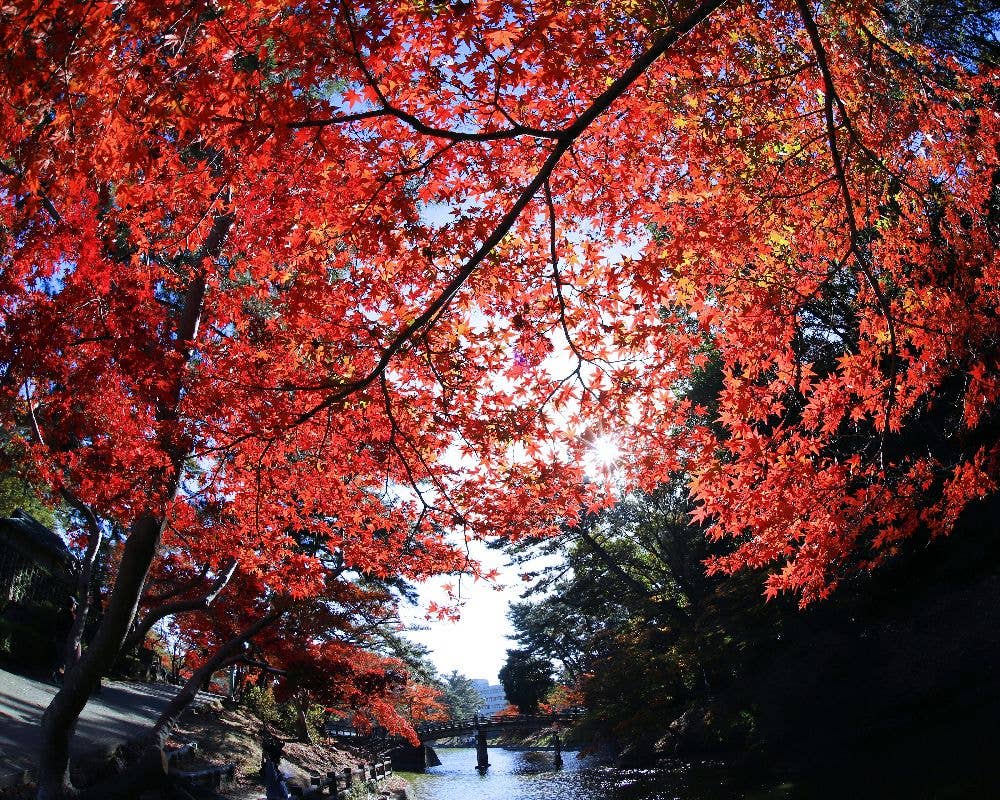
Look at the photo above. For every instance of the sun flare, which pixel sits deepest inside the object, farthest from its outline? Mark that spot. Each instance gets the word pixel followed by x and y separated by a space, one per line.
pixel 603 454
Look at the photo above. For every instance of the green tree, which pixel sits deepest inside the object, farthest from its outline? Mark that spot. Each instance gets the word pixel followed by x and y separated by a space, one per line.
pixel 460 696
pixel 527 679
pixel 630 615
pixel 18 491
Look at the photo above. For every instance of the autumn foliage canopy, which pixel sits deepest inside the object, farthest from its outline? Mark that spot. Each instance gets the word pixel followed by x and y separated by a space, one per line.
pixel 380 271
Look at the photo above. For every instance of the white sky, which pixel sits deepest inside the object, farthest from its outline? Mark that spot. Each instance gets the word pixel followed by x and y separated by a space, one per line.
pixel 477 644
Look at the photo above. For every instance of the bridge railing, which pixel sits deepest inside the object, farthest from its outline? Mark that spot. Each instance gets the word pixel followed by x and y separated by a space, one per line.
pixel 440 730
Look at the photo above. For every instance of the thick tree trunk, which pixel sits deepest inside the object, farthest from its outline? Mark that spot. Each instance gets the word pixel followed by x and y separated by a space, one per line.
pixel 59 720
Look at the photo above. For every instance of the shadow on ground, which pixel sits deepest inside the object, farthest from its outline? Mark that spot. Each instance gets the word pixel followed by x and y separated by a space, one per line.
pixel 120 711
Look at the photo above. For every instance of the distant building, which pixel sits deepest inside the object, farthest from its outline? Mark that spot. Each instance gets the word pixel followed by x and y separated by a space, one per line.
pixel 494 699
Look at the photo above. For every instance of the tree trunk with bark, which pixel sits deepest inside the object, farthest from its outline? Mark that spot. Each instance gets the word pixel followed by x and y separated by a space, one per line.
pixel 201 602
pixel 59 720
pixel 301 720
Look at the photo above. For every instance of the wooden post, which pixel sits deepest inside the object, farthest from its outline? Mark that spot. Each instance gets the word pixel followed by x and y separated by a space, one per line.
pixel 348 777
pixel 557 762
pixel 482 754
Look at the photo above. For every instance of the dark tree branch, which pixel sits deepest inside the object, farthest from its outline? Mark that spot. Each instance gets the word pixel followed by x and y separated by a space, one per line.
pixel 231 650
pixel 414 122
pixel 200 603
pixel 861 257
pixel 156 599
pixel 84 574
pixel 569 135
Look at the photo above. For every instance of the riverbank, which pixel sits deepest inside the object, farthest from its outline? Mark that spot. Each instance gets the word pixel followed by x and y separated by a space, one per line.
pixel 234 737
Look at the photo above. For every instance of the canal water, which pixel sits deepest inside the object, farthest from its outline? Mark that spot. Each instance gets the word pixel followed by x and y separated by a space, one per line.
pixel 530 776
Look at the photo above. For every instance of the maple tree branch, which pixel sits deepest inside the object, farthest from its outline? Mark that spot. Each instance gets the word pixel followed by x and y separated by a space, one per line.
pixel 569 135
pixel 200 603
pixel 36 429
pixel 554 257
pixel 860 257
pixel 423 165
pixel 394 426
pixel 179 590
pixel 557 280
pixel 414 122
pixel 768 78
pixel 224 194
pixel 824 64
pixel 85 569
pixel 46 202
pixel 446 388
pixel 232 648
pixel 387 399
pixel 263 666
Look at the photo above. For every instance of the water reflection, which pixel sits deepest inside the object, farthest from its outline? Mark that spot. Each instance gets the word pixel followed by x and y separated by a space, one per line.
pixel 530 776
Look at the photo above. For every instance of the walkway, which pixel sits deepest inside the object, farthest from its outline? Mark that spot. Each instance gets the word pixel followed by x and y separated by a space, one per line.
pixel 120 711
